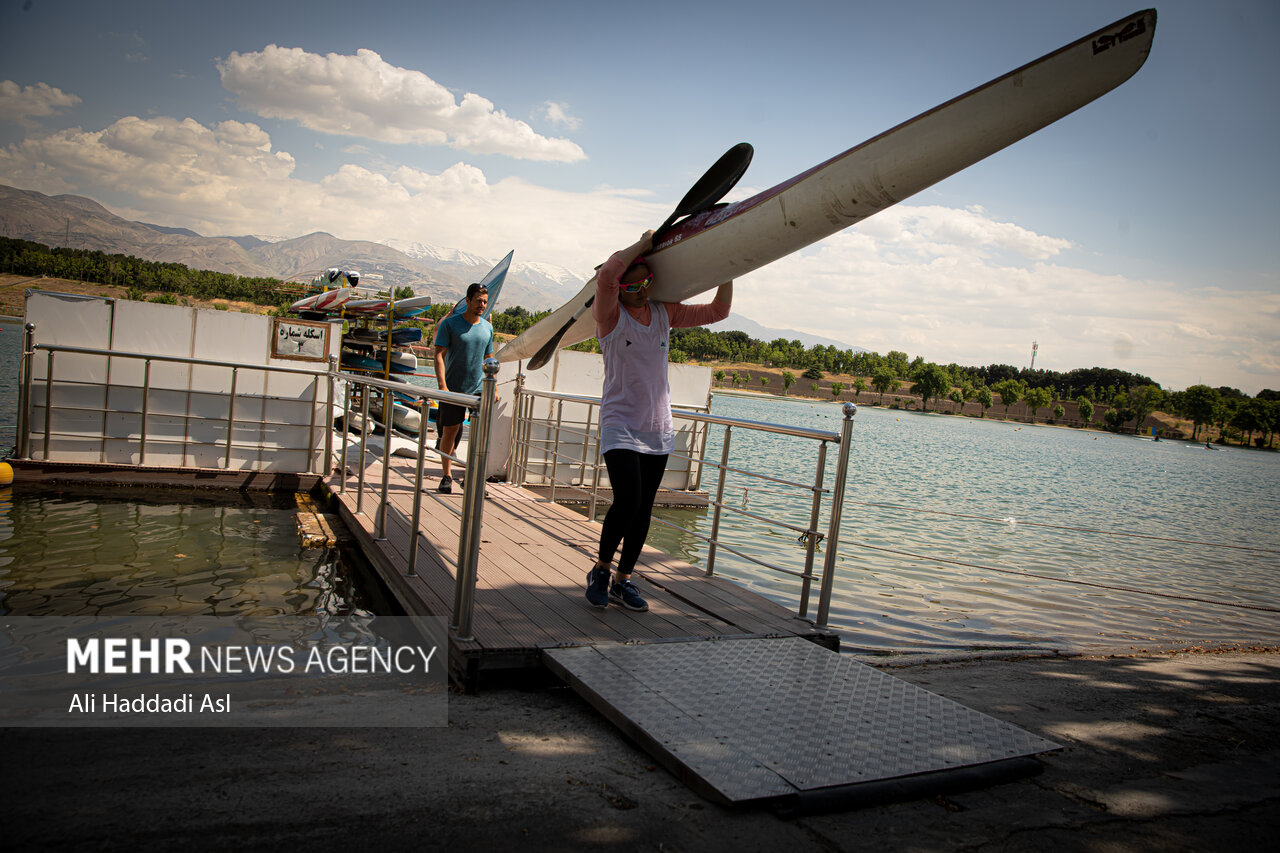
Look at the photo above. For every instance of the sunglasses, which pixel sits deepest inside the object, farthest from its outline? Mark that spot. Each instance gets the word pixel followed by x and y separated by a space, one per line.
pixel 636 286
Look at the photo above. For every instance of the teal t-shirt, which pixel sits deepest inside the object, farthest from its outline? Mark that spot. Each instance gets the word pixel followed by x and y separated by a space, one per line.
pixel 467 346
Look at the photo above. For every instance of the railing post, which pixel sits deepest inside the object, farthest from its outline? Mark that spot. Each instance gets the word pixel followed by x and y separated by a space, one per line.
pixel 346 431
pixel 364 441
pixel 387 417
pixel 715 517
pixel 811 537
pixel 48 404
pixel 414 533
pixel 595 465
pixel 519 426
pixel 555 450
pixel 142 425
pixel 586 442
pixel 837 508
pixel 231 414
pixel 326 464
pixel 473 504
pixel 311 426
pixel 24 402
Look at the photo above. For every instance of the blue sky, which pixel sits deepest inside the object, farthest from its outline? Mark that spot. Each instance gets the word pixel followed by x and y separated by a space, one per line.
pixel 1137 233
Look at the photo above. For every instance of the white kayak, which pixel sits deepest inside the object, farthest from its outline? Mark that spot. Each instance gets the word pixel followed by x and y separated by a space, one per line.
pixel 724 243
pixel 328 300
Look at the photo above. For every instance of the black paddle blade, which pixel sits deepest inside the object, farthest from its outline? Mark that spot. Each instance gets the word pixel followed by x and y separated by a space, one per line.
pixel 709 189
pixel 544 353
pixel 712 186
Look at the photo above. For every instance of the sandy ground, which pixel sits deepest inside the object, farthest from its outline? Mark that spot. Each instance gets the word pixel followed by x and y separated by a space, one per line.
pixel 1162 752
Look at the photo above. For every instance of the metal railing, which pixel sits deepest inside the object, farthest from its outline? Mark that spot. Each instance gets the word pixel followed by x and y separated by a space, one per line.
pixel 476 464
pixel 355 386
pixel 539 446
pixel 27 373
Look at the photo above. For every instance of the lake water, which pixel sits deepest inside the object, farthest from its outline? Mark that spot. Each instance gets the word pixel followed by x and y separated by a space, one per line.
pixel 970 534
pixel 959 534
pixel 212 559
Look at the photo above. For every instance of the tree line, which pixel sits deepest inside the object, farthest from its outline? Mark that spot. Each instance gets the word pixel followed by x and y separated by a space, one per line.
pixel 1122 398
pixel 24 257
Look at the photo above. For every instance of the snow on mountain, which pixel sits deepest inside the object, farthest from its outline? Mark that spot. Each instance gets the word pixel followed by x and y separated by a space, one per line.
pixel 549 272
pixel 426 251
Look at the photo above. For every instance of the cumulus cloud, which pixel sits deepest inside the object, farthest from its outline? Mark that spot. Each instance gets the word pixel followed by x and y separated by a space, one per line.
pixel 957 286
pixel 228 179
pixel 945 284
pixel 558 113
pixel 364 96
pixel 21 104
pixel 179 169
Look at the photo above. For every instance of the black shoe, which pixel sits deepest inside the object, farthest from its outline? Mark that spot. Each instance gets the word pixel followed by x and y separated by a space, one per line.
pixel 598 587
pixel 626 594
pixel 446 485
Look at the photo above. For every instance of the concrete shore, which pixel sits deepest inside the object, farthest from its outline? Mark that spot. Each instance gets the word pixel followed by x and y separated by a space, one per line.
pixel 1161 752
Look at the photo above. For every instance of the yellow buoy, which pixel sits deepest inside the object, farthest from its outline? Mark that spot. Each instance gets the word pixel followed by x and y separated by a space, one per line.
pixel 6 473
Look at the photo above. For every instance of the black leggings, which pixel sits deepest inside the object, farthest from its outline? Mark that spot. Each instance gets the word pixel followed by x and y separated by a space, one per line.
pixel 635 478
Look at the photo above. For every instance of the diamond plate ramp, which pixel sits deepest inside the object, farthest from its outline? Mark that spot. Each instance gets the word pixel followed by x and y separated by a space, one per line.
pixel 760 719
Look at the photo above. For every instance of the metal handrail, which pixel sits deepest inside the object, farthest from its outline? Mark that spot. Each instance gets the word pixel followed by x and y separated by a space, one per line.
pixel 472 512
pixel 30 348
pixel 522 443
pixel 477 457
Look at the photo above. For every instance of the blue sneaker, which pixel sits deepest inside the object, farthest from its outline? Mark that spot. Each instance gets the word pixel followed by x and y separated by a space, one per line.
pixel 626 594
pixel 598 587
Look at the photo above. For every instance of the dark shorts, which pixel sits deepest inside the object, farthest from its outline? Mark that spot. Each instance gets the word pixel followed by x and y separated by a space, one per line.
pixel 450 415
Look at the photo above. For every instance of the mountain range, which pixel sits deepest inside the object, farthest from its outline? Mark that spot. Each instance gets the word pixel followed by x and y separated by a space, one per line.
pixel 76 222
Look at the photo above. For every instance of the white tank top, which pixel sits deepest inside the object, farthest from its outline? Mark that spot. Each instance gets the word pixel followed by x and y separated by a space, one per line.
pixel 635 408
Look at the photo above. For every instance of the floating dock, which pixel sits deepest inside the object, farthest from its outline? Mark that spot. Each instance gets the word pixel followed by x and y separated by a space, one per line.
pixel 738 697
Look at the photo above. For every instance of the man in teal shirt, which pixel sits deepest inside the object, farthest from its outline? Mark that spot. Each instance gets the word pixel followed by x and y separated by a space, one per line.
pixel 463 342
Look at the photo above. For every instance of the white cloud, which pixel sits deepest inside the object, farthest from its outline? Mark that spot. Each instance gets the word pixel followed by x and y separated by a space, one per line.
pixel 955 286
pixel 227 179
pixel 558 113
pixel 945 284
pixel 364 96
pixel 23 103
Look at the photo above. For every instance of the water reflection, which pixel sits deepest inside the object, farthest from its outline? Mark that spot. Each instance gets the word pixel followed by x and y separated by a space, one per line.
pixel 171 559
pixel 929 558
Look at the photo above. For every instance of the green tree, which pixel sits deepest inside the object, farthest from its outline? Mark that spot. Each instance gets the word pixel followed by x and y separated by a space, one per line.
pixel 788 379
pixel 836 388
pixel 930 381
pixel 1086 409
pixel 1250 417
pixel 764 381
pixel 957 396
pixel 984 398
pixel 1122 411
pixel 897 362
pixel 1198 404
pixel 1037 399
pixel 719 377
pixel 859 385
pixel 1059 412
pixel 882 380
pixel 1145 399
pixel 1010 391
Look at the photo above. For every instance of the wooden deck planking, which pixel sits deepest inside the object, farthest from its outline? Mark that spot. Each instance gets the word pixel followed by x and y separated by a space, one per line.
pixel 534 557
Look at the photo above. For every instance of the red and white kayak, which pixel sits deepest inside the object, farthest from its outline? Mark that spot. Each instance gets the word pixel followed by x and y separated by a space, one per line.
pixel 727 242
pixel 327 301
pixel 365 306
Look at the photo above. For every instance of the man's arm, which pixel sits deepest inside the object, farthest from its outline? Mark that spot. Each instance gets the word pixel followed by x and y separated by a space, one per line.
pixel 440 353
